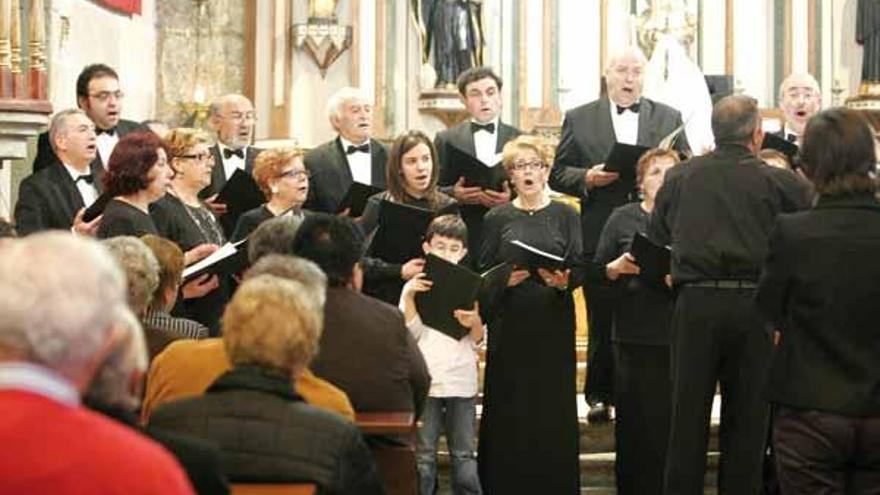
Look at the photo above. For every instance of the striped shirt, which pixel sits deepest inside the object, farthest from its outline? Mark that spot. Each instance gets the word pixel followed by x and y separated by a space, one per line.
pixel 187 329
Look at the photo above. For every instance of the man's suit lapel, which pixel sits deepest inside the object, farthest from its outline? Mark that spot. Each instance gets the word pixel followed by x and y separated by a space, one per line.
pixel 378 162
pixel 97 176
pixel 505 134
pixel 339 161
pixel 604 127
pixel 249 156
pixel 462 138
pixel 65 189
pixel 218 176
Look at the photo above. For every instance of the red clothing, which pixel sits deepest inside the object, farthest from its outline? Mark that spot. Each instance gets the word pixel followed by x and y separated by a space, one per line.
pixel 51 447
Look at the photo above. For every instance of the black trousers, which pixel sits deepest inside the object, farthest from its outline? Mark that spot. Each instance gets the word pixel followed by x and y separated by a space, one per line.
pixel 819 453
pixel 599 385
pixel 642 397
pixel 718 336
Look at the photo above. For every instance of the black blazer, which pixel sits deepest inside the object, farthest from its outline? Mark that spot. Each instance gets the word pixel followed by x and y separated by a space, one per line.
pixel 330 177
pixel 462 138
pixel 218 175
pixel 820 288
pixel 49 199
pixel 587 138
pixel 46 155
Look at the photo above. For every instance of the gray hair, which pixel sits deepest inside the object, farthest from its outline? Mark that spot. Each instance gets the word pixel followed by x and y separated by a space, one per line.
pixel 59 295
pixel 112 383
pixel 274 236
pixel 803 76
pixel 625 52
pixel 140 267
pixel 301 270
pixel 344 95
pixel 218 103
pixel 735 118
pixel 58 125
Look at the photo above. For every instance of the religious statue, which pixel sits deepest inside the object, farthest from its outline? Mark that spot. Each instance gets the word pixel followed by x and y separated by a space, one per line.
pixel 322 9
pixel 666 18
pixel 454 30
pixel 868 35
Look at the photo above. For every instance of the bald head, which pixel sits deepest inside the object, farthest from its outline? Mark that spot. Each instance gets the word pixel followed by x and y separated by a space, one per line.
pixel 799 99
pixel 737 120
pixel 624 76
pixel 232 117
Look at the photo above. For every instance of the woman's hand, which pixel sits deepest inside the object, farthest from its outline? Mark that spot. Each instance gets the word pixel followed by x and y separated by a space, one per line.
pixel 624 265
pixel 516 277
pixel 199 253
pixel 199 287
pixel 411 268
pixel 556 279
pixel 85 228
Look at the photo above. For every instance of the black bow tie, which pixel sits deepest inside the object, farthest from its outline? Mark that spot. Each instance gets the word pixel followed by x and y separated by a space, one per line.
pixel 88 178
pixel 364 148
pixel 490 127
pixel 791 138
pixel 229 152
pixel 110 132
pixel 634 107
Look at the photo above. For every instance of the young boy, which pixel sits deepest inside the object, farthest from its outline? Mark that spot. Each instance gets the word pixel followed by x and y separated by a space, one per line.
pixel 453 367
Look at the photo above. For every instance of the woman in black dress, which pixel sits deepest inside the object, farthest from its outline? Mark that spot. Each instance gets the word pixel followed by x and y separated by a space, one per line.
pixel 640 334
pixel 283 178
pixel 529 430
pixel 411 176
pixel 137 175
pixel 183 218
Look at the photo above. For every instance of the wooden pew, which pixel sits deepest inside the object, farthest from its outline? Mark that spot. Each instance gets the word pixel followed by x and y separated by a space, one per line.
pixel 272 489
pixel 396 462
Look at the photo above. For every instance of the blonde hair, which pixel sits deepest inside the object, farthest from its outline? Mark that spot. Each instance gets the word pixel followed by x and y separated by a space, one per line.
pixel 269 164
pixel 539 145
pixel 182 139
pixel 273 323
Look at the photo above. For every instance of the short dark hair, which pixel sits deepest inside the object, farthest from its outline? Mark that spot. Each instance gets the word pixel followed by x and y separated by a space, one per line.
pixel 130 163
pixel 334 243
pixel 90 72
pixel 7 229
pixel 734 119
pixel 274 236
pixel 450 226
pixel 838 154
pixel 475 74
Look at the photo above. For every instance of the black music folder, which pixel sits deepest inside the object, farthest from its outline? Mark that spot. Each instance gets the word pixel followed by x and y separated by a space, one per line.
pixel 774 142
pixel 356 198
pixel 531 258
pixel 653 259
pixel 475 172
pixel 456 287
pixel 623 159
pixel 240 194
pixel 230 259
pixel 97 208
pixel 399 232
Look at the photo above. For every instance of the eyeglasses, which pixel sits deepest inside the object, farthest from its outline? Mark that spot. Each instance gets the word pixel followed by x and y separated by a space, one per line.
pixel 198 156
pixel 533 165
pixel 295 174
pixel 239 116
pixel 106 95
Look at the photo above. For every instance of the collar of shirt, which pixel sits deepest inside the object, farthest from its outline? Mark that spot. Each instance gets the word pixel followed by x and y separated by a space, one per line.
pixel 106 142
pixel 786 130
pixel 231 163
pixel 89 192
pixel 358 163
pixel 38 380
pixel 74 173
pixel 485 143
pixel 626 124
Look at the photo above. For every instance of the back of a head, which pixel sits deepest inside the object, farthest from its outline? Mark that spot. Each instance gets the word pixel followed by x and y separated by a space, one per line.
pixel 140 267
pixel 274 236
pixel 271 322
pixel 170 259
pixel 113 385
pixel 734 119
pixel 334 243
pixel 59 297
pixel 293 268
pixel 838 153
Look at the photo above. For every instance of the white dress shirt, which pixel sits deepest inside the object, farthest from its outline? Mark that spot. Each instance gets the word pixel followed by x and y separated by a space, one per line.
pixel 88 191
pixel 786 130
pixel 626 125
pixel 231 164
pixel 359 163
pixel 451 363
pixel 38 380
pixel 485 144
pixel 106 142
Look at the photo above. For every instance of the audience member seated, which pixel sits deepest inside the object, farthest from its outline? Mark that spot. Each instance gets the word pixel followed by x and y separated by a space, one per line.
pixel 366 349
pixel 265 431
pixel 775 158
pixel 274 236
pixel 187 368
pixel 142 274
pixel 283 178
pixel 171 260
pixel 56 197
pixel 116 390
pixel 138 174
pixel 59 297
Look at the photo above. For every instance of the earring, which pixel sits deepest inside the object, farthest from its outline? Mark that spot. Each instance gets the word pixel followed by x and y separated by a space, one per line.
pixel 274 189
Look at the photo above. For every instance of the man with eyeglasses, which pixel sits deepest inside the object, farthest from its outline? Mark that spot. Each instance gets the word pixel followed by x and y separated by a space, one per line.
pixel 233 119
pixel 588 134
pixel 799 99
pixel 98 94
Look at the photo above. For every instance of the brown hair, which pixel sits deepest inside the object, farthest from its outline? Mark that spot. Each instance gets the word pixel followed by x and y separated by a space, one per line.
pixel 838 154
pixel 130 163
pixel 394 171
pixel 270 163
pixel 648 159
pixel 171 261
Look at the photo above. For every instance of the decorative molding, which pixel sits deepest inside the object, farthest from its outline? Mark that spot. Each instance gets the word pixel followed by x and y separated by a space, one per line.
pixel 729 38
pixel 282 69
pixel 787 51
pixel 250 50
pixel 548 113
pixel 380 125
pixel 603 35
pixel 354 67
pixel 37 45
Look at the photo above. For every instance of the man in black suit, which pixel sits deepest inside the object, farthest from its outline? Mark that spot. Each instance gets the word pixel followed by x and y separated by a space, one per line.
pixel 716 212
pixel 588 134
pixel 799 99
pixel 233 119
pixel 365 348
pixel 482 138
pixel 56 196
pixel 98 94
pixel 352 157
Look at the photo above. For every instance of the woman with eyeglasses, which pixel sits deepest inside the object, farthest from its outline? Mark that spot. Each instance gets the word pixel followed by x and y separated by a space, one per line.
pixel 411 177
pixel 529 431
pixel 182 217
pixel 283 178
